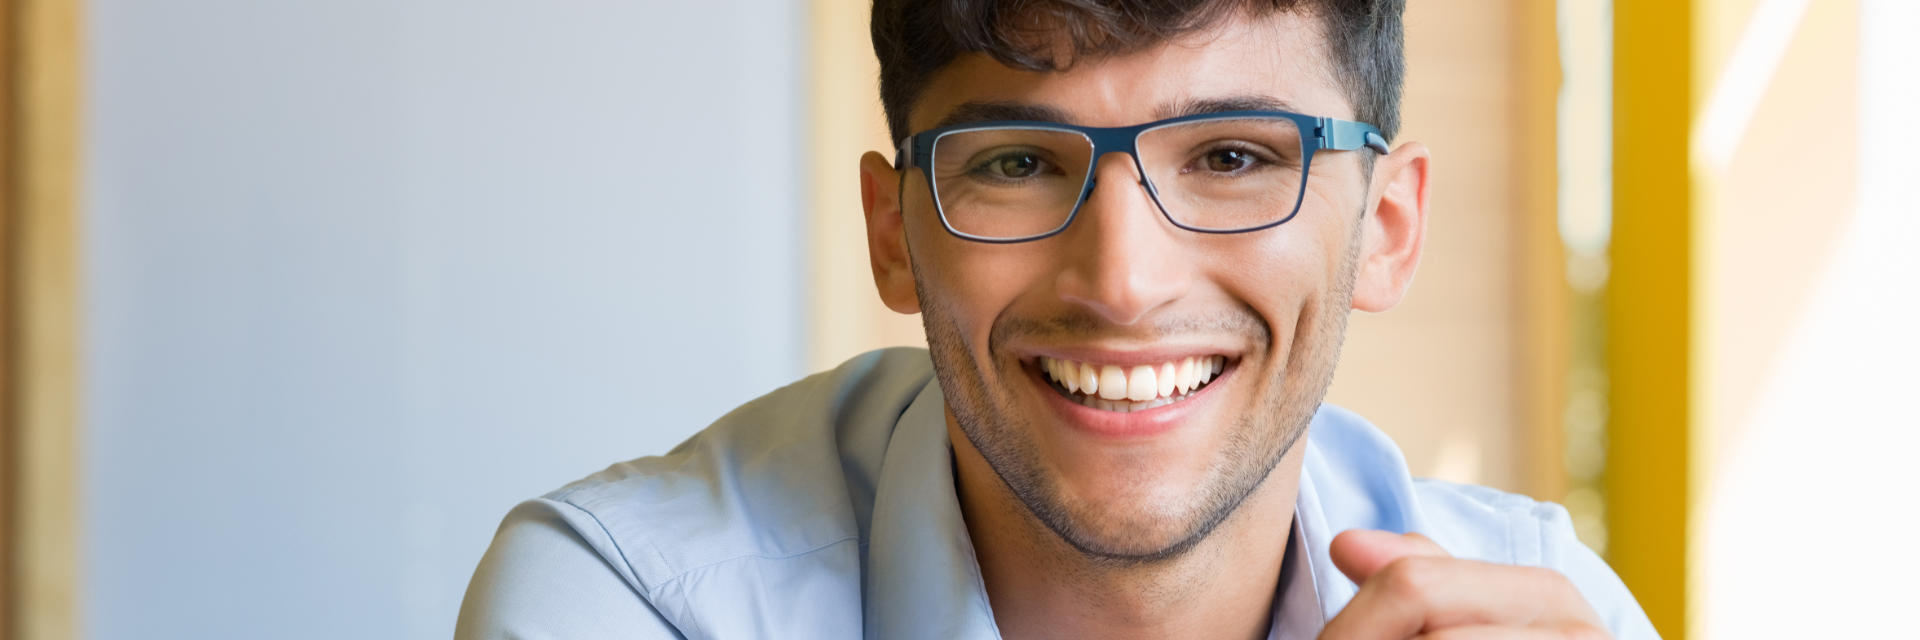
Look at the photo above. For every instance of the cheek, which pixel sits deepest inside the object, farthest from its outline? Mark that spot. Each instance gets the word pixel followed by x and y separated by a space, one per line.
pixel 1336 186
pixel 1314 245
pixel 1286 275
pixel 963 284
pixel 1278 269
pixel 970 284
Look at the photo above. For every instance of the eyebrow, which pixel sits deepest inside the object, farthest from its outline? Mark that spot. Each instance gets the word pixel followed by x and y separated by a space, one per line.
pixel 985 111
pixel 991 111
pixel 1245 102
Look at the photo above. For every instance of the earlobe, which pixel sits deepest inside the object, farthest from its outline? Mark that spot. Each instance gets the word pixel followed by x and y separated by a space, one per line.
pixel 887 234
pixel 1395 231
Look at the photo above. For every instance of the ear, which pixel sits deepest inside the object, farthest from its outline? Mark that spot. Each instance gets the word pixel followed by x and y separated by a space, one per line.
pixel 887 233
pixel 1394 231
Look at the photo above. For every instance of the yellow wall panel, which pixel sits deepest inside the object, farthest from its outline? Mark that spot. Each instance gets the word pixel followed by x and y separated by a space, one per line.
pixel 1649 309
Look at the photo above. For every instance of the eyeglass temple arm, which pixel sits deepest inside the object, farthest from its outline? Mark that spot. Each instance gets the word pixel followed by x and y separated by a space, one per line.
pixel 903 154
pixel 1347 135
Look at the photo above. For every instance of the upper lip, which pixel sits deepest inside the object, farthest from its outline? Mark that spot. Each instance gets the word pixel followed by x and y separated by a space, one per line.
pixel 1126 357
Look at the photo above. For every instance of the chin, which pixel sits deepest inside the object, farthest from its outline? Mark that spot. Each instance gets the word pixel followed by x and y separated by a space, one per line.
pixel 1133 542
pixel 1132 524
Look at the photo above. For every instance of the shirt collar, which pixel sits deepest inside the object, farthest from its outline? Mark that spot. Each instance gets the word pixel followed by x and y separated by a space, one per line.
pixel 923 580
pixel 1297 614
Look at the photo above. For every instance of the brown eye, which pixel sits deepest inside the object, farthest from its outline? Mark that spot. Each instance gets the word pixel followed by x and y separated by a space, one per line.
pixel 1228 160
pixel 1015 166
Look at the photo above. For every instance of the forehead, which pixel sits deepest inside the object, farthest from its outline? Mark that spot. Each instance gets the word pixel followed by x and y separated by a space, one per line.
pixel 1281 56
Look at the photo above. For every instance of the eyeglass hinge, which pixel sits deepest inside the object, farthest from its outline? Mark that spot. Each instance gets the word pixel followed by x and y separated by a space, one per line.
pixel 1328 134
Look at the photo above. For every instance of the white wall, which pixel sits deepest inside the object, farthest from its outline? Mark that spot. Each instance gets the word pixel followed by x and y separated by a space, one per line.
pixel 1806 527
pixel 361 274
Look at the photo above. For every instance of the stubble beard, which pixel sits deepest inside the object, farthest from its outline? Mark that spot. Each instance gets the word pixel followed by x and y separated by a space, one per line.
pixel 1256 445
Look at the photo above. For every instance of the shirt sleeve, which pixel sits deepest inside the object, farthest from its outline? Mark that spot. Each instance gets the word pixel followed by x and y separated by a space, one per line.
pixel 542 578
pixel 1562 550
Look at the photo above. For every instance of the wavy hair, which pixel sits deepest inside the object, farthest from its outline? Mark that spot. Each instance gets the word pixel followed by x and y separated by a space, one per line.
pixel 916 38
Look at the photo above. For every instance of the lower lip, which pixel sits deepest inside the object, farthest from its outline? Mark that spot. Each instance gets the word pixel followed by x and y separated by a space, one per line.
pixel 1130 425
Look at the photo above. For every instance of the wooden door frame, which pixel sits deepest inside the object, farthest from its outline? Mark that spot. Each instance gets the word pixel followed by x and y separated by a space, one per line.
pixel 40 78
pixel 9 462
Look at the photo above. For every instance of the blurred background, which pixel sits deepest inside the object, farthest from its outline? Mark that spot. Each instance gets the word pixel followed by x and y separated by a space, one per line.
pixel 300 297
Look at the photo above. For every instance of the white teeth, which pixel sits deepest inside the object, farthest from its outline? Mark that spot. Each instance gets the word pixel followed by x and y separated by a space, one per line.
pixel 1136 388
pixel 1141 385
pixel 1113 383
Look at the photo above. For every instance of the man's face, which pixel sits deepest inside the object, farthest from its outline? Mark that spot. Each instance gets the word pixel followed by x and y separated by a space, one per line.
pixel 1123 287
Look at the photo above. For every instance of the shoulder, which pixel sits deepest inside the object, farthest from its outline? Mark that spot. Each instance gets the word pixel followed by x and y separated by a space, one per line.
pixel 781 486
pixel 779 475
pixel 545 575
pixel 1362 482
pixel 1495 526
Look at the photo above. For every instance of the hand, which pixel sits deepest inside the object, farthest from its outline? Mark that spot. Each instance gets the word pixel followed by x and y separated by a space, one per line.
pixel 1411 588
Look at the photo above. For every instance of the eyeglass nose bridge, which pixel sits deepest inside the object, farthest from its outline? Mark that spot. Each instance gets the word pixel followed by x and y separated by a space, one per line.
pixel 1093 181
pixel 1117 140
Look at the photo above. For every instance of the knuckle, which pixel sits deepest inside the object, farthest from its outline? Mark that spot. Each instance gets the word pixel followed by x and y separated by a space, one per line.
pixel 1542 575
pixel 1561 590
pixel 1555 580
pixel 1584 632
pixel 1411 578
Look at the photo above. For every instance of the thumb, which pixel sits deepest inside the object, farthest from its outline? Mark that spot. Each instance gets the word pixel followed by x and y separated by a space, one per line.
pixel 1360 553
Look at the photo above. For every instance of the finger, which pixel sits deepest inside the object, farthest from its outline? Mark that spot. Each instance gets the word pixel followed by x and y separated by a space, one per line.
pixel 1491 632
pixel 1360 553
pixel 1422 593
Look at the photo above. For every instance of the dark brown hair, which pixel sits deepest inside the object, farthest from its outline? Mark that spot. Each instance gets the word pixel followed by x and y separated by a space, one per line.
pixel 915 38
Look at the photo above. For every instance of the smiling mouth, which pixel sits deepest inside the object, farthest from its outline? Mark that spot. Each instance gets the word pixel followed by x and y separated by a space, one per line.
pixel 1132 388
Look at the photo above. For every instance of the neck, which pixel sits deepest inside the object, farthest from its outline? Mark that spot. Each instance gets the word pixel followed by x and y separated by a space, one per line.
pixel 1041 587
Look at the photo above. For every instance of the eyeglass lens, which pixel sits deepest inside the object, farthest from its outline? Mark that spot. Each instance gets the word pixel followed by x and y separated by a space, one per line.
pixel 1218 175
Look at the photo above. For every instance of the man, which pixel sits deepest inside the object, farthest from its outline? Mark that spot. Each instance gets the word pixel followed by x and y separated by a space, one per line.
pixel 1134 231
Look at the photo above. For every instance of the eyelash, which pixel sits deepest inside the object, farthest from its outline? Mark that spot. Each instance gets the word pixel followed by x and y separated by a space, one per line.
pixel 1258 153
pixel 983 168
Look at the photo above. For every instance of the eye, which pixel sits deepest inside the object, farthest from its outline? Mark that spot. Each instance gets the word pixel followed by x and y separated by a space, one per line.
pixel 1228 160
pixel 1013 165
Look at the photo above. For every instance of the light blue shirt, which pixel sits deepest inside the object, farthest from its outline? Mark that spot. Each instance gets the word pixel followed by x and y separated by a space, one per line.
pixel 826 509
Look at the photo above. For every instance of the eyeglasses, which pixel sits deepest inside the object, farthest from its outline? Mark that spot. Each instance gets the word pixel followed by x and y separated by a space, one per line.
pixel 1225 172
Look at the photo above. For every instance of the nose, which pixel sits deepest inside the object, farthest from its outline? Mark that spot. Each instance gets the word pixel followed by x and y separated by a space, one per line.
pixel 1123 259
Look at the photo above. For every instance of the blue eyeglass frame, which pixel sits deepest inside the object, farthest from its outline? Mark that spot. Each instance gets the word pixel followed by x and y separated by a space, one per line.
pixel 1333 134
